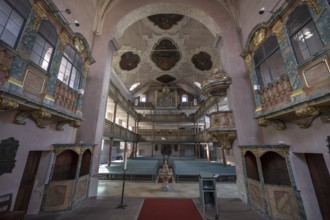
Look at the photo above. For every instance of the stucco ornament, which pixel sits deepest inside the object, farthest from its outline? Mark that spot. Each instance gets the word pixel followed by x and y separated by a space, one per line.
pixel 217 84
pixel 259 36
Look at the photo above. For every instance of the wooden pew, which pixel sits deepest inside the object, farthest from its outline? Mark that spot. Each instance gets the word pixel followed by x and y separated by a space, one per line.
pixel 5 213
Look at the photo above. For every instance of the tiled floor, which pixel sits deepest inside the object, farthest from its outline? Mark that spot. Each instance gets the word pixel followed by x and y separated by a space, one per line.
pixel 109 197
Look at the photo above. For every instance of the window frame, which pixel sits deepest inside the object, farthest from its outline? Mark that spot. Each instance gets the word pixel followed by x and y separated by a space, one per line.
pixel 184 96
pixel 73 67
pixel 143 98
pixel 292 34
pixel 46 39
pixel 21 16
pixel 266 56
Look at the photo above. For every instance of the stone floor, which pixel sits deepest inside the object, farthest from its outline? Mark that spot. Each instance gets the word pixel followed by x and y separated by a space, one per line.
pixel 104 206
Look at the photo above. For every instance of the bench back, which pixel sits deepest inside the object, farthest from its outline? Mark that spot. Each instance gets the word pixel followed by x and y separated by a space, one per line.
pixel 5 202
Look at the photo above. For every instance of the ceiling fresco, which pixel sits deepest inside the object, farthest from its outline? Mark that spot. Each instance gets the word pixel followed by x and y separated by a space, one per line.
pixel 167 49
pixel 165 21
pixel 165 54
pixel 129 61
pixel 166 79
pixel 202 61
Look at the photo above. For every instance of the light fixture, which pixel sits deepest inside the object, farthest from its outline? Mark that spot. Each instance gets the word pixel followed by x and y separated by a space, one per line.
pixel 68 11
pixel 256 87
pixel 303 35
pixel 263 9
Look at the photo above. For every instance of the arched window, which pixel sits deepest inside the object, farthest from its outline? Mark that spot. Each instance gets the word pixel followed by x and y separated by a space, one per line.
pixel 268 60
pixel 304 37
pixel 184 98
pixel 13 14
pixel 44 45
pixel 143 98
pixel 71 68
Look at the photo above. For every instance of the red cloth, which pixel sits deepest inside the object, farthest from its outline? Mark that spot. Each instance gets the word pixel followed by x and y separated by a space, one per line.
pixel 169 209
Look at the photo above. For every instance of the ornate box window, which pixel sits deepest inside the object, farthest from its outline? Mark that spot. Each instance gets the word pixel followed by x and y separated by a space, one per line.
pixel 269 63
pixel 304 36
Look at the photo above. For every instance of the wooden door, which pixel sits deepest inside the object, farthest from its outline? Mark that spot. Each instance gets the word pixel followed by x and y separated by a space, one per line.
pixel 27 182
pixel 321 181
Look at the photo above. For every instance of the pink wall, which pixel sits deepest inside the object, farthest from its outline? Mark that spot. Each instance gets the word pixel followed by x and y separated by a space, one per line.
pixel 31 138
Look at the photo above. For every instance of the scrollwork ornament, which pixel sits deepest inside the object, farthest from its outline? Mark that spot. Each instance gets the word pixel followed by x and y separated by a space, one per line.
pixel 39 116
pixel 278 31
pixel 75 124
pixel 39 11
pixel 259 36
pixel 248 61
pixel 313 5
pixel 306 115
pixel 78 44
pixel 307 111
pixel 36 22
pixel 64 40
pixel 7 104
pixel 263 122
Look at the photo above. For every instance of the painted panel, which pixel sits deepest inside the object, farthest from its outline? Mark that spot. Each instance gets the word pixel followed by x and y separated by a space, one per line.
pixel 59 195
pixel 282 202
pixel 255 194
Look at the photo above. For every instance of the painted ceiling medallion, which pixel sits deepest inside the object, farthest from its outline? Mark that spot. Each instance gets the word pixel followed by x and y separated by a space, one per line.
pixel 202 61
pixel 165 21
pixel 165 54
pixel 129 61
pixel 166 78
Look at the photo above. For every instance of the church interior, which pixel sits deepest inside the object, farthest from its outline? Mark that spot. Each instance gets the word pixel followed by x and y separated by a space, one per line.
pixel 94 93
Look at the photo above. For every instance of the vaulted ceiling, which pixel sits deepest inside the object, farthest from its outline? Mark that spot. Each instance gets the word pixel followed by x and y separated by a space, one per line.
pixel 170 49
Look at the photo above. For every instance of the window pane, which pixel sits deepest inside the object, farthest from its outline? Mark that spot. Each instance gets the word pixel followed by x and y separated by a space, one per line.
pixel 8 37
pixel 266 76
pixel 48 31
pixel 3 18
pixel 5 8
pixel 34 57
pixel 13 27
pixel 22 6
pixel 259 55
pixel 306 42
pixel 313 39
pixel 276 65
pixel 298 18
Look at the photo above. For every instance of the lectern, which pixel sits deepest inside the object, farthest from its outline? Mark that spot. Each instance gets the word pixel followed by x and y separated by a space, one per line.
pixel 208 192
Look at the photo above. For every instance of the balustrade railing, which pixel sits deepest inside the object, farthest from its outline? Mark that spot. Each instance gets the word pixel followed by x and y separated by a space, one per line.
pixel 275 94
pixel 113 130
pixel 66 97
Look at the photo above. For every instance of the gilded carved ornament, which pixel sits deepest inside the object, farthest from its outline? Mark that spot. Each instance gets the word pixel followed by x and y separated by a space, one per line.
pixel 39 11
pixel 306 115
pixel 64 40
pixel 313 5
pixel 39 116
pixel 264 122
pixel 59 150
pixel 4 68
pixel 73 123
pixel 259 36
pixel 36 22
pixel 225 138
pixel 79 44
pixel 258 152
pixel 325 114
pixel 7 104
pixel 279 31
